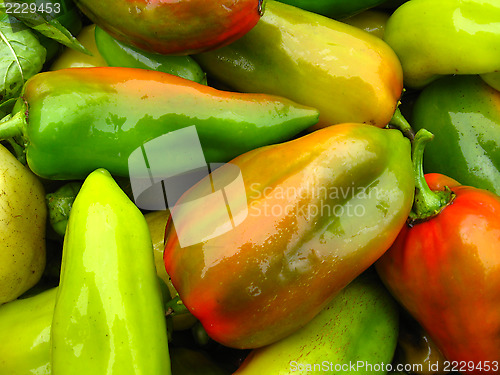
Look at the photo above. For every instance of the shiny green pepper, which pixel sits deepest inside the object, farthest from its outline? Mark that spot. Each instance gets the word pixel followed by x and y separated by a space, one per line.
pixel 463 113
pixel 109 316
pixel 25 334
pixel 117 53
pixel 433 38
pixel 72 121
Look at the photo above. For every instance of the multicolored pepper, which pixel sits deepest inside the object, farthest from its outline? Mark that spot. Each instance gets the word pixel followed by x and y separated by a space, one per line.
pixel 320 210
pixel 73 121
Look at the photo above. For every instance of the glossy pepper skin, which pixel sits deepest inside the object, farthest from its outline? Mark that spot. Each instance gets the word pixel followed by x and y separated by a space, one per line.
pixel 23 217
pixel 463 113
pixel 317 66
pixel 307 234
pixel 443 38
pixel 73 121
pixel 444 271
pixel 59 204
pixel 359 324
pixel 336 9
pixel 108 316
pixel 174 27
pixel 117 53
pixel 25 334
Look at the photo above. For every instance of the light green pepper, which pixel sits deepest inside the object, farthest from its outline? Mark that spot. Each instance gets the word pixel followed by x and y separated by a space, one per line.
pixel 25 334
pixel 433 38
pixel 109 316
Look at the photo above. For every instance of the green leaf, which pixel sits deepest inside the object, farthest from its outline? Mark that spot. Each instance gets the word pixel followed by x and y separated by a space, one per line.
pixel 21 57
pixel 54 30
pixel 47 26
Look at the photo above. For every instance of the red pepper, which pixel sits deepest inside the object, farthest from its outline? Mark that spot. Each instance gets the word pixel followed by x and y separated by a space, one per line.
pixel 444 268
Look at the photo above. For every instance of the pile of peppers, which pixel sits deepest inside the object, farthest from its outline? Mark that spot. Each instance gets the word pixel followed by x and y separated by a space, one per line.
pixel 251 187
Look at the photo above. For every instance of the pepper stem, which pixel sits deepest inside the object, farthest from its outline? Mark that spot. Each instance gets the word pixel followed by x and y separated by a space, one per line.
pixel 12 130
pixel 175 307
pixel 427 203
pixel 399 122
pixel 13 126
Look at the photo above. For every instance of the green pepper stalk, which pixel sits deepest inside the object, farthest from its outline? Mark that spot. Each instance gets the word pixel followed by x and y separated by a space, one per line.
pixel 399 122
pixel 427 203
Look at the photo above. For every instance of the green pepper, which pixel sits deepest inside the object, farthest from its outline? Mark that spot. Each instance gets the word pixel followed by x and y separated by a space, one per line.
pixel 463 113
pixel 359 326
pixel 117 53
pixel 109 316
pixel 433 38
pixel 336 9
pixel 25 334
pixel 309 59
pixel 319 211
pixel 59 204
pixel 73 121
